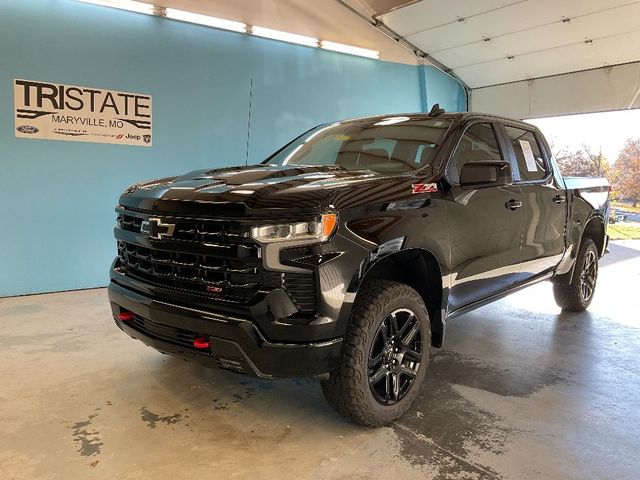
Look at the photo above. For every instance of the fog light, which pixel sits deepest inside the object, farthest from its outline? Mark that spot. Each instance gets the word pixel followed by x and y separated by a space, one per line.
pixel 201 342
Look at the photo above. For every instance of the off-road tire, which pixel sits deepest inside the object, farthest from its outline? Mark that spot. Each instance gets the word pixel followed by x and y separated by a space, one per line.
pixel 347 389
pixel 569 296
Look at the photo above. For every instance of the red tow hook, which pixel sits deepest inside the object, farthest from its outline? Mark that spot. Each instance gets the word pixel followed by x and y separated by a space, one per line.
pixel 201 343
pixel 126 316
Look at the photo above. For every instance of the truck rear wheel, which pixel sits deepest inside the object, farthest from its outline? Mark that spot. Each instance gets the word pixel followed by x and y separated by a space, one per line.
pixel 384 356
pixel 577 295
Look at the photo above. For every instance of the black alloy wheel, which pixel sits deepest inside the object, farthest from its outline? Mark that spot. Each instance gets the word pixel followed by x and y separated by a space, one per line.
pixel 385 355
pixel 577 294
pixel 588 275
pixel 394 357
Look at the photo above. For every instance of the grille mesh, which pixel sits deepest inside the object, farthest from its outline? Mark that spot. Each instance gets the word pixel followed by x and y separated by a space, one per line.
pixel 230 269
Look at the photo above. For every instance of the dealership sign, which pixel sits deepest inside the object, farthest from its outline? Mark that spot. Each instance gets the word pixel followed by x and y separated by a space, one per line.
pixel 82 114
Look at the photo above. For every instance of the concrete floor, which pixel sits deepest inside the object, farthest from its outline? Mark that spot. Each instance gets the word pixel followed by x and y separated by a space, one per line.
pixel 519 391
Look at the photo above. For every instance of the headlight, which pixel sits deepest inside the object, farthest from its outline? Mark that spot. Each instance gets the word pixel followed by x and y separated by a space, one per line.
pixel 300 232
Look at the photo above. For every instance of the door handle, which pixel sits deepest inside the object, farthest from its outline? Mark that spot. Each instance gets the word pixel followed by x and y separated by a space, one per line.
pixel 558 199
pixel 513 204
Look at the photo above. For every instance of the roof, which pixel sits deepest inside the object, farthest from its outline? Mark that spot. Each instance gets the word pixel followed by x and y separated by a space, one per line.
pixel 450 115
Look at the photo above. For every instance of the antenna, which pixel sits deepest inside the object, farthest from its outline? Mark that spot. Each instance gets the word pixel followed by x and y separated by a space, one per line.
pixel 436 110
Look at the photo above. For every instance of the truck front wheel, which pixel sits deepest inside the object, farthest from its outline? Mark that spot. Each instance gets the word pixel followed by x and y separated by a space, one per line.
pixel 384 356
pixel 577 295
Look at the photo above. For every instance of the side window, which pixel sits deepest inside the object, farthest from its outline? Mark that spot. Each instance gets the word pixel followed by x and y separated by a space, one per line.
pixel 528 154
pixel 478 144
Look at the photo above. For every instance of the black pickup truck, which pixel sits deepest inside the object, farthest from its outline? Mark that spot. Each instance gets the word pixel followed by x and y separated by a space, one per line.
pixel 343 254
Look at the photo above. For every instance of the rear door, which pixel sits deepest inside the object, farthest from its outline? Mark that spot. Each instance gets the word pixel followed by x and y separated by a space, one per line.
pixel 543 199
pixel 484 232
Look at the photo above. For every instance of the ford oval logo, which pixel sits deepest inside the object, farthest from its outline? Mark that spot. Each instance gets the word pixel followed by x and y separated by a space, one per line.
pixel 27 129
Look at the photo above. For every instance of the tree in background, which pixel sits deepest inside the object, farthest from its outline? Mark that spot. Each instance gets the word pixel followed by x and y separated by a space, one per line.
pixel 581 163
pixel 625 175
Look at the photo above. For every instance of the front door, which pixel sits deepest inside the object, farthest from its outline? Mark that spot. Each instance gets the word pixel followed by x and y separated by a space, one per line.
pixel 485 225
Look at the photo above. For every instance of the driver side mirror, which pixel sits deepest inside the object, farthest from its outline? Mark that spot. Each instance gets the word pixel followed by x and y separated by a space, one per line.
pixel 485 174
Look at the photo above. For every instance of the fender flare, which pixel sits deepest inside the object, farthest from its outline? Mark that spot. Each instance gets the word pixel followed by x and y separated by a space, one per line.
pixel 566 277
pixel 416 267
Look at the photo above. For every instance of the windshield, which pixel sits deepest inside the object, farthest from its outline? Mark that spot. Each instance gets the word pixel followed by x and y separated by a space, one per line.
pixel 390 145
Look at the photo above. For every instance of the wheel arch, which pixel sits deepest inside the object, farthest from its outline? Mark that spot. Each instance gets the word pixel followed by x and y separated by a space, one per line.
pixel 594 229
pixel 419 269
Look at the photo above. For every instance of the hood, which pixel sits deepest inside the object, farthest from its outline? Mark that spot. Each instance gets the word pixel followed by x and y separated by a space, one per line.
pixel 237 190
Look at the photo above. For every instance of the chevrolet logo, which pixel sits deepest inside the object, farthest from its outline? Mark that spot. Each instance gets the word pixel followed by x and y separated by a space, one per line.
pixel 156 229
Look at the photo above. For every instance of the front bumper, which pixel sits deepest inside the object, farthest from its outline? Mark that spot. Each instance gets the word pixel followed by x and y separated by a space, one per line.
pixel 236 343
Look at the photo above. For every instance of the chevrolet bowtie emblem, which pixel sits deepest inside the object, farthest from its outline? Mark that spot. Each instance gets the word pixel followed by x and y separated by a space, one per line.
pixel 156 229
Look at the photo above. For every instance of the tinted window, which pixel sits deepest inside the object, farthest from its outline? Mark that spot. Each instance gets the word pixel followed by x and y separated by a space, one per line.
pixel 478 144
pixel 391 145
pixel 530 160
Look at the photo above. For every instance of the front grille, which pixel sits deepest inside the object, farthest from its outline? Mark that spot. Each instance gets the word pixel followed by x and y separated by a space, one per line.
pixel 209 258
pixel 215 276
pixel 215 259
pixel 130 223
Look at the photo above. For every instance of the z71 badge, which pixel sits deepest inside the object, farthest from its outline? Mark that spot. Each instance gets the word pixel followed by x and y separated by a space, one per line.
pixel 424 187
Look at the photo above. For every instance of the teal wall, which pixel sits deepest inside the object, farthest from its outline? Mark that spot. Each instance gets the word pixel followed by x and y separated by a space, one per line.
pixel 439 87
pixel 58 197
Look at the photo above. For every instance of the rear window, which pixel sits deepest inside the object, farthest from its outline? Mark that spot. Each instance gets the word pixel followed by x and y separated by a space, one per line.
pixel 531 163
